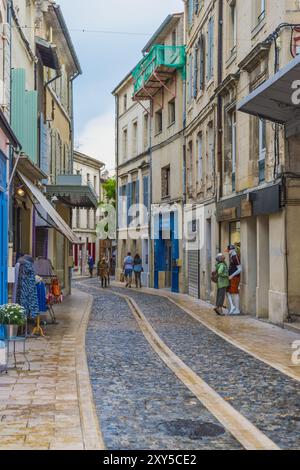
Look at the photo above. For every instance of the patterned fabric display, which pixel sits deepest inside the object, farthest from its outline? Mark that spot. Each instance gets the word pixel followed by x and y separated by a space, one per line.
pixel 27 291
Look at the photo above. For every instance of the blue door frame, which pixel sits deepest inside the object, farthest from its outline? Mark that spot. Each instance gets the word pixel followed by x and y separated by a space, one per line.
pixel 3 230
pixel 160 253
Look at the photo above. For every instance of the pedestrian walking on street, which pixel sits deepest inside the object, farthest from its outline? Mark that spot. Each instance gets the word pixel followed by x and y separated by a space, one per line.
pixel 91 264
pixel 138 269
pixel 104 272
pixel 128 269
pixel 221 277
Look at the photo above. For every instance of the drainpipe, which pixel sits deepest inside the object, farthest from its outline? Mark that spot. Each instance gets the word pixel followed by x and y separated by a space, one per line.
pixel 184 262
pixel 219 191
pixel 117 177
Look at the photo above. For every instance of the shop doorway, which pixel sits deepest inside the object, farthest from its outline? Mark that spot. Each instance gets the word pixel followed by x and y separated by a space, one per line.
pixel 166 254
pixel 208 260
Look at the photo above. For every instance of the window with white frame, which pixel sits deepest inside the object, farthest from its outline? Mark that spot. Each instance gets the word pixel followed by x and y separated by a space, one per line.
pixel 125 144
pixel 262 148
pixel 262 141
pixel 259 11
pixel 233 27
pixel 135 138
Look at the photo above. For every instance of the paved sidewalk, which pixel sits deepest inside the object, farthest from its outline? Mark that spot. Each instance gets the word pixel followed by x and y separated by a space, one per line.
pixel 51 406
pixel 266 342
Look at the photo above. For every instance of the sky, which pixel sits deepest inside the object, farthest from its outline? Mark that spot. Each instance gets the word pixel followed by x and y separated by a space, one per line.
pixel 105 60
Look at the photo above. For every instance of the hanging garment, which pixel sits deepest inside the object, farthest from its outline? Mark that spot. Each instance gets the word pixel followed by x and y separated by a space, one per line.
pixel 15 287
pixel 41 293
pixel 43 267
pixel 26 291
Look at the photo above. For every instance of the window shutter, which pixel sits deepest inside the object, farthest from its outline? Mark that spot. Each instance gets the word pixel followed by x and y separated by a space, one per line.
pixel 202 62
pixel 129 201
pixel 137 192
pixel 195 71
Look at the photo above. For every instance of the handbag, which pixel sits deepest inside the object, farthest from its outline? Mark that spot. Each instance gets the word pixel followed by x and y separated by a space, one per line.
pixel 122 277
pixel 214 277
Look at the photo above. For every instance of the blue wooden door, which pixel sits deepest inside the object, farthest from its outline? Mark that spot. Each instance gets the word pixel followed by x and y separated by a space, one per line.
pixel 3 231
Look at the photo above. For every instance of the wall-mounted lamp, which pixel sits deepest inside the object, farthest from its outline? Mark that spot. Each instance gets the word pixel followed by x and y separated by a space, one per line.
pixel 20 191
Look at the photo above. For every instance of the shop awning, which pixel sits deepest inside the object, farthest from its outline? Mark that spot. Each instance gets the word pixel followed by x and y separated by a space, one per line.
pixel 273 100
pixel 71 190
pixel 61 225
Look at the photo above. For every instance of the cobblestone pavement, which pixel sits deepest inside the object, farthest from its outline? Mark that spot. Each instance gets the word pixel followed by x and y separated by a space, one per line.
pixel 41 409
pixel 268 398
pixel 140 403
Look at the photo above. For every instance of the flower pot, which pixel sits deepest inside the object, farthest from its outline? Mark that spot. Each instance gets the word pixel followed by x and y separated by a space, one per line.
pixel 11 331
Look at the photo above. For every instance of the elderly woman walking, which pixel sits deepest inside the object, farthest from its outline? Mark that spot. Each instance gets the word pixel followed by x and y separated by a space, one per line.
pixel 221 276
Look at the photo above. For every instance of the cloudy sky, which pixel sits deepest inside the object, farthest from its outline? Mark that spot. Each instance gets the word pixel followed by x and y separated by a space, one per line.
pixel 106 59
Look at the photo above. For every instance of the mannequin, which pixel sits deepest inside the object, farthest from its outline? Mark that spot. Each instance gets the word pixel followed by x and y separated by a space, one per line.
pixel 235 270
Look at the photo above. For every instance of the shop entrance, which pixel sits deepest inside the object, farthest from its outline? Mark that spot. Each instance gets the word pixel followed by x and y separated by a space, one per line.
pixel 166 254
pixel 3 231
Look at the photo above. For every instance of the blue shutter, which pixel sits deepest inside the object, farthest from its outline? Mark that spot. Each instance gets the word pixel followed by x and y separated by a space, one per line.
pixel 146 196
pixel 137 192
pixel 44 161
pixel 191 11
pixel 129 201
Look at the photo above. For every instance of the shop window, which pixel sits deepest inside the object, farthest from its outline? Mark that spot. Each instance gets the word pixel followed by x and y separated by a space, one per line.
pixel 235 233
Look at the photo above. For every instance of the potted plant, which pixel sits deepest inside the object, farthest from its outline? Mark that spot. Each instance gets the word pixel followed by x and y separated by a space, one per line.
pixel 11 317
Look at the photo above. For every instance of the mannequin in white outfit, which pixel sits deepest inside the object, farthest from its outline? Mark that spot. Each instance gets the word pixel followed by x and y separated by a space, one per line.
pixel 235 270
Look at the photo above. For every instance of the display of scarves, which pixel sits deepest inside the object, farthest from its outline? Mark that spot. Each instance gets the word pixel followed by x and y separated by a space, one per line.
pixel 27 291
pixel 41 293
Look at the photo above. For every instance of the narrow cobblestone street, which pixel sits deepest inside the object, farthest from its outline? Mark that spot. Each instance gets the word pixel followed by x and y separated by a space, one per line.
pixel 142 404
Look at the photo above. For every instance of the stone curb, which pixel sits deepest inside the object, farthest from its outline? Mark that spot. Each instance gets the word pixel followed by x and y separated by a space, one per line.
pixel 249 436
pixel 91 433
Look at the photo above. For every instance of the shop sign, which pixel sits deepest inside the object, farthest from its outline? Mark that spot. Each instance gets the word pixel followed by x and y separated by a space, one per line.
pixel 246 208
pixel 227 214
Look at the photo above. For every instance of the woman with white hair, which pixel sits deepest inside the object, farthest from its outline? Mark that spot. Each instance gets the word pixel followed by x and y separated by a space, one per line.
pixel 221 277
